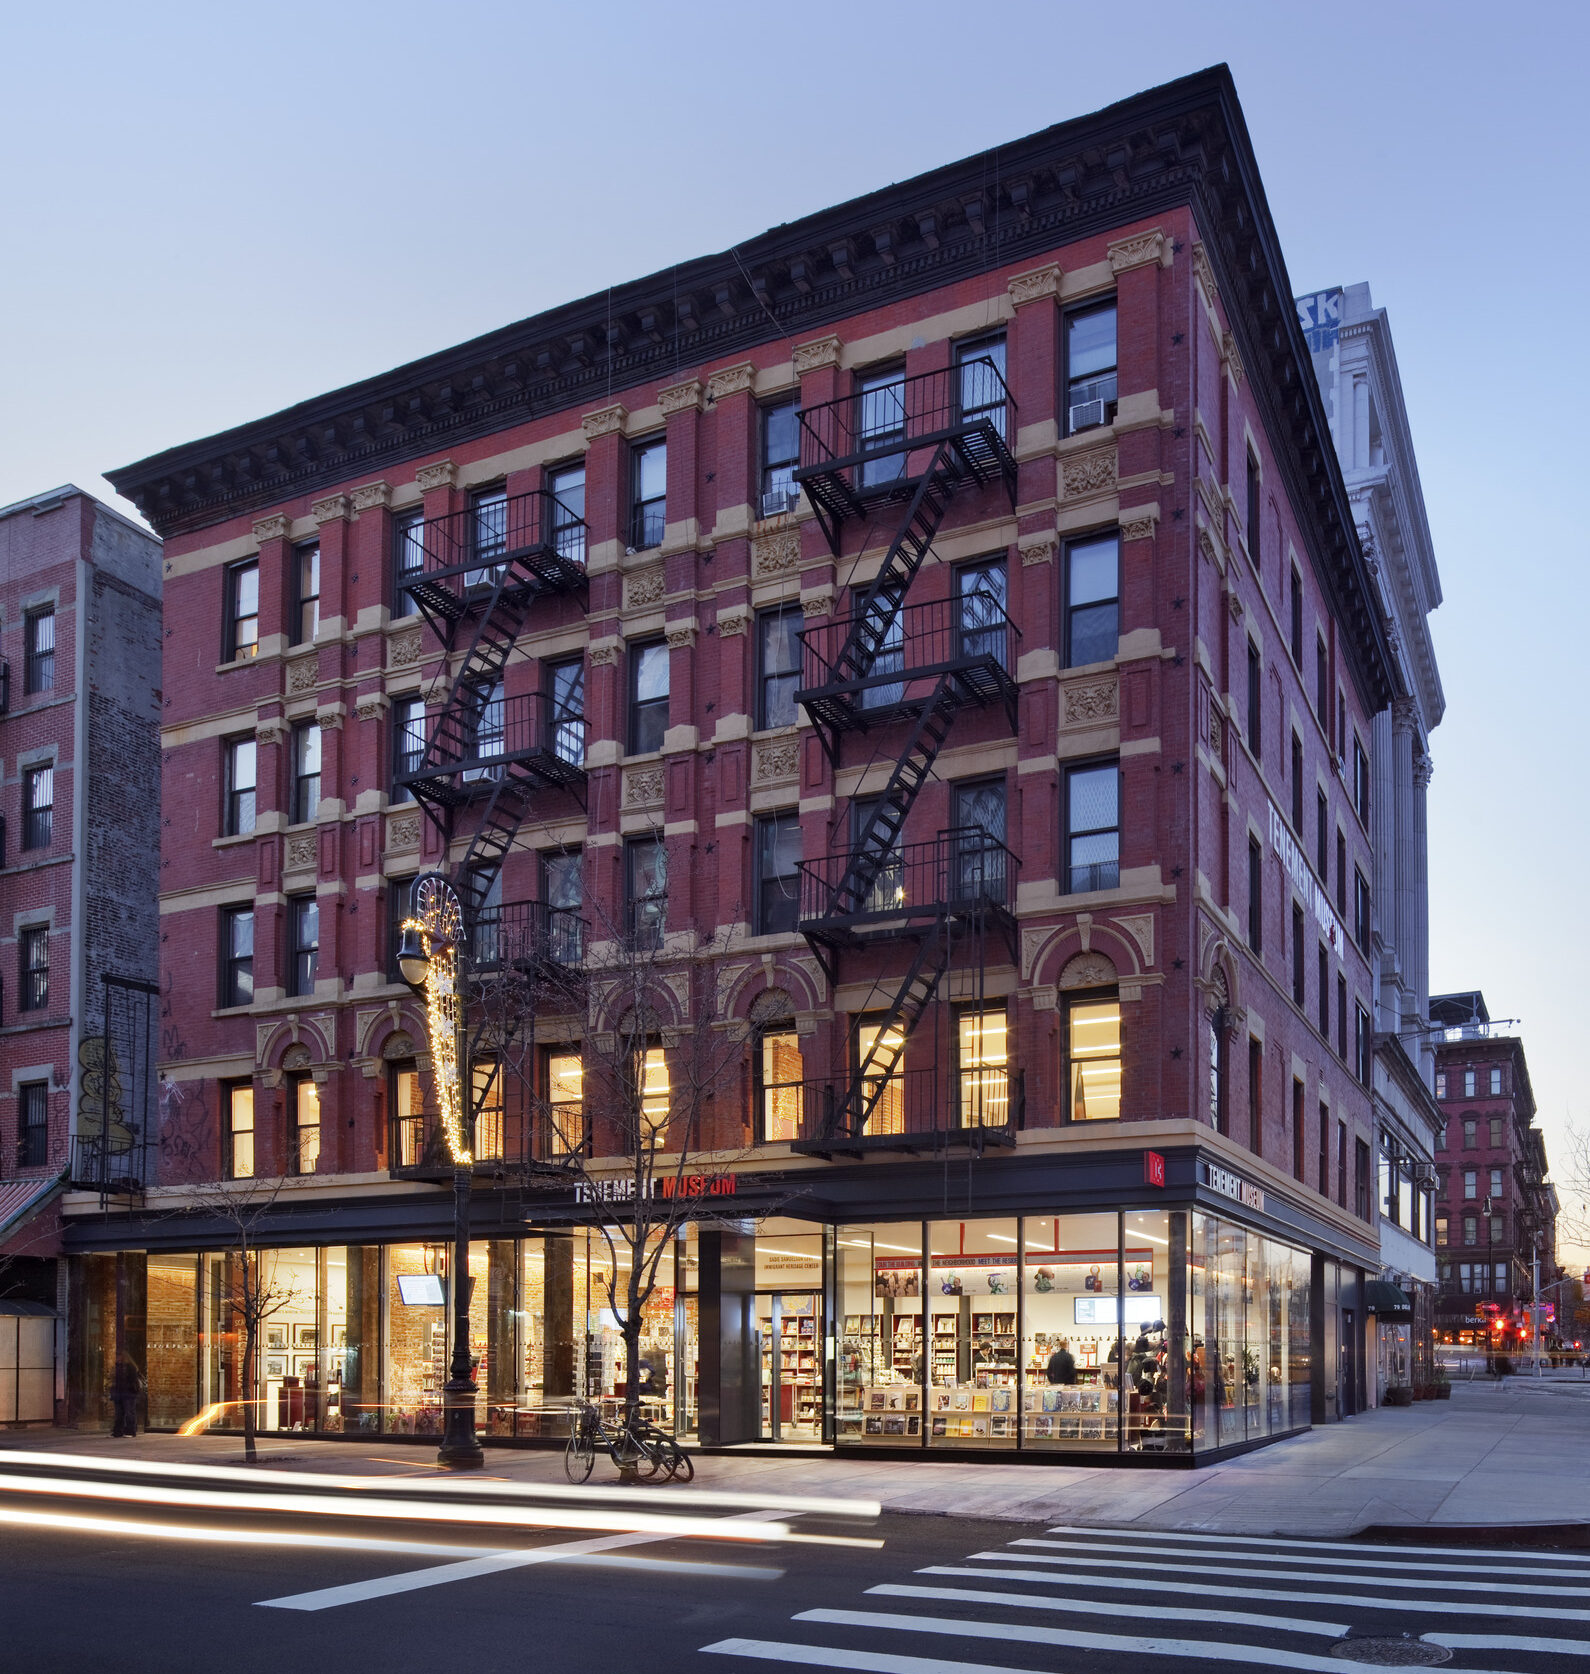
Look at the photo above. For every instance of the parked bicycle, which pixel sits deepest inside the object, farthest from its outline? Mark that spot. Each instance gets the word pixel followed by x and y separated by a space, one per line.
pixel 640 1446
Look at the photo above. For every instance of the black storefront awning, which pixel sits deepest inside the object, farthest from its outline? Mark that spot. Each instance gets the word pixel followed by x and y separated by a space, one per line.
pixel 1386 1300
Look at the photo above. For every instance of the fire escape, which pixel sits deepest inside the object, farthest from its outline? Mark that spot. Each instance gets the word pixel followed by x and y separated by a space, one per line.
pixel 485 570
pixel 902 449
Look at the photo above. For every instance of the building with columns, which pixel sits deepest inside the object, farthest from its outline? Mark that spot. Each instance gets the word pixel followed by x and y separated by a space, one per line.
pixel 906 620
pixel 1356 364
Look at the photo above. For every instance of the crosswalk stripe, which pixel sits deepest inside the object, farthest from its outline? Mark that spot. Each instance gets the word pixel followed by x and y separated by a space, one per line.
pixel 1135 1548
pixel 866 1662
pixel 1204 1650
pixel 1444 1607
pixel 1102 1607
pixel 1410 1582
pixel 1508 1642
pixel 1227 1540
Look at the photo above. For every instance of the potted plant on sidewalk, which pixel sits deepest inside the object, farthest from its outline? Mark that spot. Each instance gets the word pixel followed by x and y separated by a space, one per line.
pixel 1399 1395
pixel 1441 1389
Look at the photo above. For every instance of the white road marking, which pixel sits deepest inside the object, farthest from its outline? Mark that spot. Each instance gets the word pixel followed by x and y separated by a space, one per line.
pixel 1113 1607
pixel 1508 1642
pixel 1204 1650
pixel 1135 1548
pixel 1228 1540
pixel 867 1662
pixel 1410 1582
pixel 383 1586
pixel 1441 1607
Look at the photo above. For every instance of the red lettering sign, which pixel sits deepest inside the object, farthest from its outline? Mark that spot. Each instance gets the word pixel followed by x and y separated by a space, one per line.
pixel 700 1185
pixel 1153 1169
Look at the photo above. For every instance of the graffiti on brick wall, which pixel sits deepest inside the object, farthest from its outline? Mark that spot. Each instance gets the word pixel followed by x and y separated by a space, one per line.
pixel 187 1130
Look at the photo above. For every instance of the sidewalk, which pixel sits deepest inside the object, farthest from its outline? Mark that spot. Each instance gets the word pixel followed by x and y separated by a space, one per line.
pixel 1490 1458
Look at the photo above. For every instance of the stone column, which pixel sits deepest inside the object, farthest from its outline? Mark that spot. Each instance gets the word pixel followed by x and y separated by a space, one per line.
pixel 1417 1002
pixel 1403 722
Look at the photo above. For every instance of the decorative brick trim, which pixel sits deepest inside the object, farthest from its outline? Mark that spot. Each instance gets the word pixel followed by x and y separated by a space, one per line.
pixel 333 509
pixel 442 474
pixel 276 527
pixel 814 356
pixel 605 421
pixel 731 380
pixel 1041 284
pixel 680 398
pixel 1140 250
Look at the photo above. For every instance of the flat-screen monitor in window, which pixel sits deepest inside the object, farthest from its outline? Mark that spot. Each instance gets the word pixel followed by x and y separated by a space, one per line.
pixel 422 1290
pixel 1100 1310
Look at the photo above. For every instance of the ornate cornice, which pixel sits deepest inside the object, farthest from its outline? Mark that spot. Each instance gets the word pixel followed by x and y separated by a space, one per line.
pixel 1043 282
pixel 274 528
pixel 605 421
pixel 1184 144
pixel 333 509
pixel 731 380
pixel 680 398
pixel 443 473
pixel 371 495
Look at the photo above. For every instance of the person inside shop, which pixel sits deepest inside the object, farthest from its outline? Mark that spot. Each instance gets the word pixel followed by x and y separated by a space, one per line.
pixel 651 1374
pixel 126 1384
pixel 1062 1364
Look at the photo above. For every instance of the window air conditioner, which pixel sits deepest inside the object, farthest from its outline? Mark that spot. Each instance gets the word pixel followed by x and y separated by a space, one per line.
pixel 1085 414
pixel 777 501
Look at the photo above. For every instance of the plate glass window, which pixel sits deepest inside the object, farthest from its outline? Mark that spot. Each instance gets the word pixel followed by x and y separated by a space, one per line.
pixel 240 1131
pixel 980 376
pixel 306 1126
pixel 778 652
pixel 566 694
pixel 242 612
pixel 237 956
pixel 408 559
pixel 568 512
pixel 563 891
pixel 306 593
pixel 778 853
pixel 1093 599
pixel 242 757
pixel 780 455
pixel 1090 368
pixel 647 893
pixel 305 915
pixel 779 1068
pixel 648 697
pixel 1093 827
pixel 1093 1054
pixel 408 743
pixel 33 1124
pixel 38 807
pixel 880 398
pixel 33 948
pixel 980 616
pixel 649 505
pixel 39 664
pixel 306 772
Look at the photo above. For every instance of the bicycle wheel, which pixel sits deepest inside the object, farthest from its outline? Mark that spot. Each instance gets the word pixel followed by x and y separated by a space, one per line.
pixel 684 1469
pixel 579 1457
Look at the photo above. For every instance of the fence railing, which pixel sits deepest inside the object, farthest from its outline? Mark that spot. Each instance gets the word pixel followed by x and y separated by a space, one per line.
pixel 960 869
pixel 913 1105
pixel 527 934
pixel 876 426
pixel 506 730
pixel 923 641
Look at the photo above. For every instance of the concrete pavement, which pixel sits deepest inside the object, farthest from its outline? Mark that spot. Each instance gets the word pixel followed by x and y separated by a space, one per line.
pixel 1492 1457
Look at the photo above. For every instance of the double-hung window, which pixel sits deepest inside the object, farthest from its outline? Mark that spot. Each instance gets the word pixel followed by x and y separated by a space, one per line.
pixel 1297 784
pixel 306 593
pixel 1297 619
pixel 566 698
pixel 33 950
pixel 408 559
pixel 488 536
pixel 646 892
pixel 1299 961
pixel 39 652
pixel 1363 1042
pixel 563 895
pixel 1093 599
pixel 778 853
pixel 567 485
pixel 1322 684
pixel 1256 515
pixel 1361 912
pixel 565 1098
pixel 1093 1058
pixel 1324 963
pixel 648 696
pixel 778 665
pixel 306 772
pixel 781 447
pixel 1090 367
pixel 983 1062
pixel 1255 895
pixel 237 956
pixel 1496 1081
pixel 237 1099
pixel 980 382
pixel 1322 836
pixel 979 835
pixel 241 760
pixel 304 1154
pixel 648 494
pixel 778 1083
pixel 33 1124
pixel 1468 1084
pixel 38 807
pixel 488 734
pixel 1255 701
pixel 304 927
pixel 408 743
pixel 980 619
pixel 1360 779
pixel 1093 827
pixel 880 427
pixel 242 612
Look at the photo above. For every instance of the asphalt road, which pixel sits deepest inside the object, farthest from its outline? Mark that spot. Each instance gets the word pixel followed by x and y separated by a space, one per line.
pixel 136 1583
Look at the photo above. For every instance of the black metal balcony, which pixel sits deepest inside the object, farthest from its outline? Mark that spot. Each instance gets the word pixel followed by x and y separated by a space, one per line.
pixel 528 738
pixel 875 443
pixel 960 873
pixel 914 1110
pixel 849 687
pixel 528 936
pixel 529 543
pixel 117 1165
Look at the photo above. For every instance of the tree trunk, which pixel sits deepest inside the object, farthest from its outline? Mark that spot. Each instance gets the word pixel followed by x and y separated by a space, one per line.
pixel 250 1453
pixel 627 1472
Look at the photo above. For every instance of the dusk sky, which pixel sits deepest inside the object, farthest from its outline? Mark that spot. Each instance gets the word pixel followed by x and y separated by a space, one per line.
pixel 214 213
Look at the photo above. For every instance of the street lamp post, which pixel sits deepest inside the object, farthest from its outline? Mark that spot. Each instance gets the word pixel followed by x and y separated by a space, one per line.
pixel 429 960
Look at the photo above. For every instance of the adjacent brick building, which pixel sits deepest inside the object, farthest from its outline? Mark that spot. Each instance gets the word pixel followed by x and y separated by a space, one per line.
pixel 79 821
pixel 928 593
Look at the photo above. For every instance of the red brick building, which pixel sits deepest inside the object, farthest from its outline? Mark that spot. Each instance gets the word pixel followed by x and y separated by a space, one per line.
pixel 929 592
pixel 79 812
pixel 1496 1212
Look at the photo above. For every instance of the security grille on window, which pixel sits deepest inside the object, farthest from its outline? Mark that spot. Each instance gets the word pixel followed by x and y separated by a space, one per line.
pixel 33 947
pixel 33 1124
pixel 566 1132
pixel 563 891
pixel 408 559
pixel 242 612
pixel 980 376
pixel 39 659
pixel 239 1104
pixel 1093 827
pixel 1090 367
pixel 983 1058
pixel 1093 599
pixel 568 512
pixel 648 509
pixel 306 772
pixel 38 807
pixel 242 759
pixel 781 446
pixel 778 658
pixel 648 697
pixel 305 1152
pixel 647 894
pixel 980 613
pixel 304 915
pixel 306 593
pixel 1093 1057
pixel 237 956
pixel 566 696
pixel 778 853
pixel 408 743
pixel 779 1072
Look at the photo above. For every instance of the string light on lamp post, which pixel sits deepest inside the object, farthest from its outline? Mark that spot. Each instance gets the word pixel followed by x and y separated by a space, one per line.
pixel 428 957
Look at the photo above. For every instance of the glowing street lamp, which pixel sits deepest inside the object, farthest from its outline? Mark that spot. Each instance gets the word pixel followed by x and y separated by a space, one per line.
pixel 428 957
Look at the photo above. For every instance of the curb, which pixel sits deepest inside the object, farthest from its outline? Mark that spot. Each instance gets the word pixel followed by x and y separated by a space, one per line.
pixel 1569 1536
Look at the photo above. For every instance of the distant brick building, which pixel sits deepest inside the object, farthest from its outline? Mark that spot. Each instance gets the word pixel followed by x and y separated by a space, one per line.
pixel 79 822
pixel 955 595
pixel 1496 1212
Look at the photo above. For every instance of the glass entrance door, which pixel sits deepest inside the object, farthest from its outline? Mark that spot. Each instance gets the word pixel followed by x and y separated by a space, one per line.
pixel 790 1334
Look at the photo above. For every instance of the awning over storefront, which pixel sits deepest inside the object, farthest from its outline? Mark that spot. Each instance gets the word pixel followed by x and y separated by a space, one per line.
pixel 20 1200
pixel 1387 1301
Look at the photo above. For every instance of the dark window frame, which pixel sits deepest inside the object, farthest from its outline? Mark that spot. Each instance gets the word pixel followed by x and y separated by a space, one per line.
pixel 399 900
pixel 1071 385
pixel 762 1087
pixel 568 531
pixel 38 661
pixel 1254 532
pixel 775 472
pixel 303 956
pixel 1068 835
pixel 776 688
pixel 557 1135
pixel 1071 1001
pixel 1255 700
pixel 777 895
pixel 1363 1044
pixel 1322 834
pixel 33 967
pixel 1299 959
pixel 1297 785
pixel 407 751
pixel 648 516
pixel 1297 618
pixel 234 647
pixel 230 965
pixel 240 804
pixel 231 1132
pixel 1299 1129
pixel 1069 609
pixel 644 710
pixel 966 352
pixel 1256 1095
pixel 38 810
pixel 298 1128
pixel 1323 959
pixel 306 793
pixel 1255 895
pixel 33 1124
pixel 1362 914
pixel 645 927
pixel 306 556
pixel 1322 683
pixel 408 558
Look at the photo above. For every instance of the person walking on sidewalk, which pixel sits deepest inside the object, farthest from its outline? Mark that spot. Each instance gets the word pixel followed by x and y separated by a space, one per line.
pixel 125 1387
pixel 1062 1364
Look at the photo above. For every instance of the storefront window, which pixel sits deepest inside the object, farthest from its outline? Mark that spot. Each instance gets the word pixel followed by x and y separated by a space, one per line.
pixel 1071 1350
pixel 287 1360
pixel 789 1315
pixel 416 1338
pixel 973 1298
pixel 353 1335
pixel 173 1327
pixel 1157 1342
pixel 878 1287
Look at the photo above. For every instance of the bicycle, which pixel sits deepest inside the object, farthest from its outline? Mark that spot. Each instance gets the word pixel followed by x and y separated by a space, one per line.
pixel 642 1447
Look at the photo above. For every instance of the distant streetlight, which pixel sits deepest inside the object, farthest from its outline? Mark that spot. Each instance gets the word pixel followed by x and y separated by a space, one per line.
pixel 428 958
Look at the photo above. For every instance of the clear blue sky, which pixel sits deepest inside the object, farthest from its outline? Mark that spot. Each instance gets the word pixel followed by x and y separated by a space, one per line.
pixel 213 212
